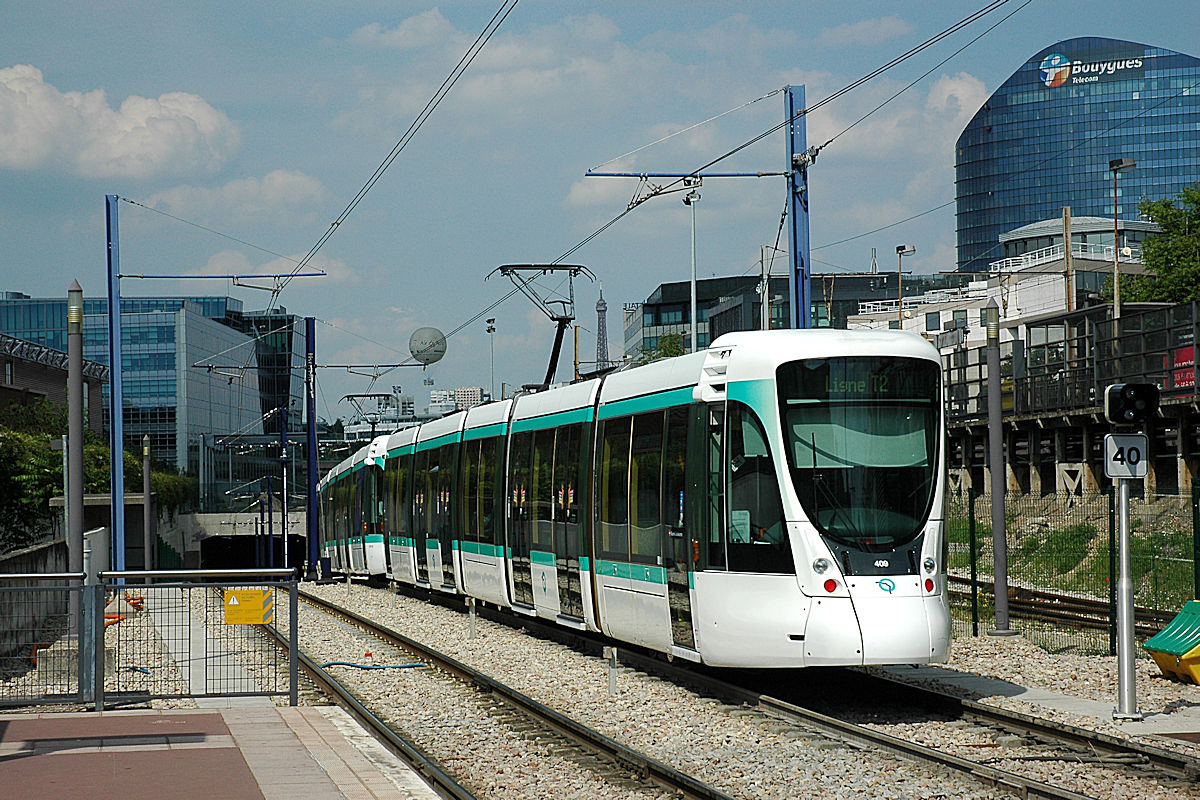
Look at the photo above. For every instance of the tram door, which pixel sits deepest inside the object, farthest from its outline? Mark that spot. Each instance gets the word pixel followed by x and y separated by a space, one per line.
pixel 680 545
pixel 422 503
pixel 520 520
pixel 568 539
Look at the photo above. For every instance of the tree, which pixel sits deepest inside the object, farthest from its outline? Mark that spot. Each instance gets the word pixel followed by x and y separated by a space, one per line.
pixel 1172 258
pixel 668 346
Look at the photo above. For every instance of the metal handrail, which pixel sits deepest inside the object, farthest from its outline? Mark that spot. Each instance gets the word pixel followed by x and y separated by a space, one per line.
pixel 42 576
pixel 273 572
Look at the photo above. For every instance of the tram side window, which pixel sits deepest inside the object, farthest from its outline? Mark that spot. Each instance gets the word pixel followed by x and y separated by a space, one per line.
pixel 542 488
pixel 757 532
pixel 470 490
pixel 612 488
pixel 566 476
pixel 401 472
pixel 674 471
pixel 421 498
pixel 441 477
pixel 488 485
pixel 645 483
pixel 522 445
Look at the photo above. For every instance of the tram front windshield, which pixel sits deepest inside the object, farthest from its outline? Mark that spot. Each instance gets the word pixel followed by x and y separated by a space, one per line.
pixel 862 438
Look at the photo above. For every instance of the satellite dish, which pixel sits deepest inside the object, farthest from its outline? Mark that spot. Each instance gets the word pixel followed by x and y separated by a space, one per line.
pixel 427 345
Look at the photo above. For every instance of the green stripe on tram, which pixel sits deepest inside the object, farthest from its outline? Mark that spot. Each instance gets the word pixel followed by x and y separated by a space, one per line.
pixel 484 432
pixel 553 420
pixel 650 402
pixel 637 572
pixel 431 444
pixel 482 549
pixel 542 558
pixel 402 450
pixel 375 538
pixel 759 395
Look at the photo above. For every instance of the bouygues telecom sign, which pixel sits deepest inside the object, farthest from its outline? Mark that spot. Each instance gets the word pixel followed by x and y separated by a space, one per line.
pixel 1058 69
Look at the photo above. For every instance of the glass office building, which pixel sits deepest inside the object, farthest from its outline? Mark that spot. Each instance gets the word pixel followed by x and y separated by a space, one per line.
pixel 1045 138
pixel 163 340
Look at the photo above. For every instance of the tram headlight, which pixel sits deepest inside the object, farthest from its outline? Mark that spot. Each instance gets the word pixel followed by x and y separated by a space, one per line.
pixel 929 564
pixel 820 566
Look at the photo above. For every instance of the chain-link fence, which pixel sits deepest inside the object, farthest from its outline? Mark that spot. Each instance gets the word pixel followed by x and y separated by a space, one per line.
pixel 1062 565
pixel 141 636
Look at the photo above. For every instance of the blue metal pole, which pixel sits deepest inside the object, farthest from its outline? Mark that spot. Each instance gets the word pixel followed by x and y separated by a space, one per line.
pixel 283 463
pixel 798 159
pixel 116 400
pixel 310 370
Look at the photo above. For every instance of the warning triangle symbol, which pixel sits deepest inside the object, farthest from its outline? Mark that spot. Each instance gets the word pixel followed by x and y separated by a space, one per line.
pixel 233 601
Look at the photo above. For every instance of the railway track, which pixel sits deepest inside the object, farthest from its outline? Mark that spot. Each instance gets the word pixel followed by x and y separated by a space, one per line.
pixel 1027 740
pixel 1080 613
pixel 606 753
pixel 1048 741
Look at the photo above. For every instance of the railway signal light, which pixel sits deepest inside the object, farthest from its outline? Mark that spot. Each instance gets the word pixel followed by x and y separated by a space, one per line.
pixel 1130 403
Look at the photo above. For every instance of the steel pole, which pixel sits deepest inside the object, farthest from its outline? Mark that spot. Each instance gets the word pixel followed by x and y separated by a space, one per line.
pixel 283 461
pixel 996 463
pixel 147 540
pixel 270 521
pixel 693 198
pixel 74 498
pixel 1126 673
pixel 310 380
pixel 116 403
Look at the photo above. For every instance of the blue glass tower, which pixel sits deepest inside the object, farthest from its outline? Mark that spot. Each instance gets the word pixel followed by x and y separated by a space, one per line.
pixel 1045 138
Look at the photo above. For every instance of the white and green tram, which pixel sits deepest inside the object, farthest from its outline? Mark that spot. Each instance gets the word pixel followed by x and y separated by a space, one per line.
pixel 773 501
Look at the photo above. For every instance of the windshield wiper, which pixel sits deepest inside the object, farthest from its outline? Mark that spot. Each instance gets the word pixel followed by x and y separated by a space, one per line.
pixel 819 481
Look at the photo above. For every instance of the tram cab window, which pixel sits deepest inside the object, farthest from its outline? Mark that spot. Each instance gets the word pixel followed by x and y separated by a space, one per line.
pixel 755 527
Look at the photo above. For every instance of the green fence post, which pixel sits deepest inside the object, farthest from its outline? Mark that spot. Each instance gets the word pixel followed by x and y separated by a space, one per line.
pixel 1195 541
pixel 971 494
pixel 1112 572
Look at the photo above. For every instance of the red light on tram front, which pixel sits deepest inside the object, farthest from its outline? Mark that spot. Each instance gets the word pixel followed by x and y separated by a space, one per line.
pixel 929 585
pixel 830 585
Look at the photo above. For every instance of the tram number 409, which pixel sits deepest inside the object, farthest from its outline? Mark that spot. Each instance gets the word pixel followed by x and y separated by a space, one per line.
pixel 1125 455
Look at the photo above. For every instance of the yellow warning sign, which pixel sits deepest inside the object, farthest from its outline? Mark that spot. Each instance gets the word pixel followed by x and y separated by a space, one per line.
pixel 249 606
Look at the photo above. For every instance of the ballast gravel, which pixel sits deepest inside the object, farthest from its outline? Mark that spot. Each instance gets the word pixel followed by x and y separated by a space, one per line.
pixel 734 748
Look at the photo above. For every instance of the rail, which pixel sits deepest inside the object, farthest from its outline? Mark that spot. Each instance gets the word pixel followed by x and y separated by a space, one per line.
pixel 648 768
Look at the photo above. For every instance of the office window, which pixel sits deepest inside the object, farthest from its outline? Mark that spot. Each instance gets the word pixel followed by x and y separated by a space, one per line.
pixel 933 321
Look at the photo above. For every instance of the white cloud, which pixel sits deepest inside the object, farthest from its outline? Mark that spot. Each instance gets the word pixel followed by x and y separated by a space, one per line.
pixel 427 29
pixel 866 32
pixel 40 127
pixel 277 192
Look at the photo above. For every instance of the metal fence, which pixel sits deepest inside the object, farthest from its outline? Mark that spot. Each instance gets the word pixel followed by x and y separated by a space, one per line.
pixel 134 637
pixel 1062 565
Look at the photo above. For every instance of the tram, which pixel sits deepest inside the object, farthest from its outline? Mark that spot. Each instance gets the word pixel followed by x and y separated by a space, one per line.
pixel 773 501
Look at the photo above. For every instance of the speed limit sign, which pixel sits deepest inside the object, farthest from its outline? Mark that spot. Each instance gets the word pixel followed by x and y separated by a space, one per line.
pixel 1126 455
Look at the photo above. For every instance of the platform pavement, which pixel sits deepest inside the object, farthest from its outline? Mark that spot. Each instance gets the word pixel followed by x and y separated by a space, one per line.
pixel 1185 720
pixel 235 753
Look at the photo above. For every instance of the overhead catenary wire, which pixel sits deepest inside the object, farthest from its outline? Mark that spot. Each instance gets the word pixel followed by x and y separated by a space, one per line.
pixel 913 51
pixel 489 30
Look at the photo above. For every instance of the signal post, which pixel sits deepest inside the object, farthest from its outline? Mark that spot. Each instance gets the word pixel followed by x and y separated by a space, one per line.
pixel 1125 460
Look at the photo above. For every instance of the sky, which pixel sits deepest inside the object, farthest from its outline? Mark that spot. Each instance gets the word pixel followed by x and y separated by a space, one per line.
pixel 239 132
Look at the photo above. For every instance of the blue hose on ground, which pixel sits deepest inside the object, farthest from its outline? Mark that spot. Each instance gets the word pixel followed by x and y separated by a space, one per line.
pixel 369 666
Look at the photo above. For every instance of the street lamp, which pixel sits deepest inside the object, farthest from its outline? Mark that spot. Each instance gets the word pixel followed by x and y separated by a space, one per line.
pixel 491 331
pixel 902 250
pixel 1115 166
pixel 691 199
